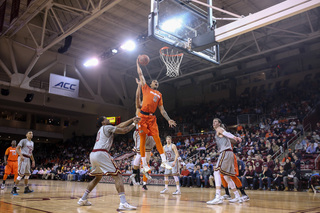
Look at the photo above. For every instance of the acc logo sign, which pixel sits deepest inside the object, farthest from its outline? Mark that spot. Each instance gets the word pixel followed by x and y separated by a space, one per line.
pixel 65 85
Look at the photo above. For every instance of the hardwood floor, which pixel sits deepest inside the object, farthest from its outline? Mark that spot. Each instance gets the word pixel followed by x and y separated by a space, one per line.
pixel 61 196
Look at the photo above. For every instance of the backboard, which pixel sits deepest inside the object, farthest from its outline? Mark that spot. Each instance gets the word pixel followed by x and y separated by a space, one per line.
pixel 185 26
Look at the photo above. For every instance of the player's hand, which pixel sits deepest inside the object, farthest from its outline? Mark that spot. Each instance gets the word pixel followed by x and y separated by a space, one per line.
pixel 33 164
pixel 21 158
pixel 238 139
pixel 136 120
pixel 172 123
pixel 173 164
pixel 138 82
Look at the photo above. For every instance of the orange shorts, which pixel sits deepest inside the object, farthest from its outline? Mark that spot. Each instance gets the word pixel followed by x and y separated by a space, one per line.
pixel 11 168
pixel 148 125
pixel 236 168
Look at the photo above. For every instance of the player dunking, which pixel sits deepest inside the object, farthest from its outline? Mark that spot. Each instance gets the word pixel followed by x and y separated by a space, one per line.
pixel 135 177
pixel 152 99
pixel 172 157
pixel 11 163
pixel 225 163
pixel 25 154
pixel 102 162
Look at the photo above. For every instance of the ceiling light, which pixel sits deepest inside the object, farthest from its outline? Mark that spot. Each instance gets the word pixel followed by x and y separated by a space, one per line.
pixel 129 45
pixel 91 62
pixel 171 25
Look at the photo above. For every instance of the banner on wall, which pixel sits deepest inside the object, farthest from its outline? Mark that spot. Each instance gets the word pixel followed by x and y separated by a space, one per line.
pixel 65 86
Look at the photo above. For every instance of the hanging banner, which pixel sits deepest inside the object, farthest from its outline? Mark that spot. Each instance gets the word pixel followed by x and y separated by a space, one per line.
pixel 65 86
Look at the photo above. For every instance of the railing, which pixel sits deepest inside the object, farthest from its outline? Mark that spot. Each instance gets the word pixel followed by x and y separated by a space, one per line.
pixel 291 143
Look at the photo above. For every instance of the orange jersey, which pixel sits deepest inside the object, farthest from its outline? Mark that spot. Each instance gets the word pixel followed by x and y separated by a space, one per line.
pixel 151 99
pixel 12 154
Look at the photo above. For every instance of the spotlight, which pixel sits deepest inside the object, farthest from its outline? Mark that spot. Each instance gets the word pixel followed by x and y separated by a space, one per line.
pixel 5 92
pixel 172 25
pixel 129 45
pixel 29 97
pixel 91 62
pixel 114 51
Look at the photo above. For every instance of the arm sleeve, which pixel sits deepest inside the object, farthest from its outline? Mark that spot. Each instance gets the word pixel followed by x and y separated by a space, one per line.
pixel 228 134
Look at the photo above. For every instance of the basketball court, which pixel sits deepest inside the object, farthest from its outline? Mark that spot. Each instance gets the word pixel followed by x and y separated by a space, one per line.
pixel 62 196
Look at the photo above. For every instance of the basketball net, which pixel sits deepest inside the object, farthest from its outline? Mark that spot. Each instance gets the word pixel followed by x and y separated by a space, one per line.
pixel 172 61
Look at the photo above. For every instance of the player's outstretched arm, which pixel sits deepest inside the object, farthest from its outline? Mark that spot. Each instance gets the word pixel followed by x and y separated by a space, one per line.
pixel 228 134
pixel 138 97
pixel 125 123
pixel 141 77
pixel 163 112
pixel 126 129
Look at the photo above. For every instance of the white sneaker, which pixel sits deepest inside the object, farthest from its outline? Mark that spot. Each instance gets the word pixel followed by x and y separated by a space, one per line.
pixel 145 169
pixel 165 164
pixel 164 191
pixel 245 198
pixel 132 178
pixel 226 197
pixel 126 206
pixel 3 186
pixel 215 201
pixel 236 200
pixel 147 175
pixel 178 192
pixel 84 202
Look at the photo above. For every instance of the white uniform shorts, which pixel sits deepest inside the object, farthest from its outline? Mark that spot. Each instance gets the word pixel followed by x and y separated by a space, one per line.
pixel 103 164
pixel 24 166
pixel 150 143
pixel 174 171
pixel 225 163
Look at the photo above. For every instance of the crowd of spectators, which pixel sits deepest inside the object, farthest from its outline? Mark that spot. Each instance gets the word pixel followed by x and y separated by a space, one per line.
pixel 283 112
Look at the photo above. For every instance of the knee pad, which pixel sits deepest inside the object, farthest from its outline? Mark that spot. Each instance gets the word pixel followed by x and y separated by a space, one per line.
pixel 19 178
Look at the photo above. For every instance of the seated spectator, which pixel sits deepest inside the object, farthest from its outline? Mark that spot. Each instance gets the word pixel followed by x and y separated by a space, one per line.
pixel 311 149
pixel 298 146
pixel 270 163
pixel 34 173
pixel 287 165
pixel 40 173
pixel 185 178
pixel 285 158
pixel 83 171
pixel 241 166
pixel 279 178
pixel 247 178
pixel 205 174
pixel 293 174
pixel 190 166
pixel 196 176
pixel 265 176
pixel 305 143
pixel 205 163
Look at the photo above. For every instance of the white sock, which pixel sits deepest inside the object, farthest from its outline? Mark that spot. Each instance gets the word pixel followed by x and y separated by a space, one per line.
pixel 144 183
pixel 218 192
pixel 144 161
pixel 236 193
pixel 176 179
pixel 163 157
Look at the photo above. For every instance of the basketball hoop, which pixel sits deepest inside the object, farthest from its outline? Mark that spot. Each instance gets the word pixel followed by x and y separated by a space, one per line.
pixel 172 61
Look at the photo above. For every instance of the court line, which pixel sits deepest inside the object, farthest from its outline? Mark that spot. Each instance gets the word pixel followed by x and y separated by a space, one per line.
pixel 26 207
pixel 306 210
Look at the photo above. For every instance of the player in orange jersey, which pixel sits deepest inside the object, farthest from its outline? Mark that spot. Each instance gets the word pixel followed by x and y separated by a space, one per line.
pixel 237 182
pixel 11 162
pixel 152 99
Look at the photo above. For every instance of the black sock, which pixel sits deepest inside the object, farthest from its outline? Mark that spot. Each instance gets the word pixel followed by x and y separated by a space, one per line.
pixel 242 191
pixel 227 191
pixel 4 182
pixel 137 177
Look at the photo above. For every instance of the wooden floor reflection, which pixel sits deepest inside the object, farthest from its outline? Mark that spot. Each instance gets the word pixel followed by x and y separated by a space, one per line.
pixel 60 196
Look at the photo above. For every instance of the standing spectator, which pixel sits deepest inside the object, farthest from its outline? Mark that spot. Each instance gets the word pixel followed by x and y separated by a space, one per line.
pixel 265 176
pixel 297 162
pixel 270 163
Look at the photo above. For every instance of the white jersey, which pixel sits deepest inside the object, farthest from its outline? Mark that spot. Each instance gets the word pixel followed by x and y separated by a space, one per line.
pixel 169 153
pixel 104 138
pixel 223 143
pixel 26 147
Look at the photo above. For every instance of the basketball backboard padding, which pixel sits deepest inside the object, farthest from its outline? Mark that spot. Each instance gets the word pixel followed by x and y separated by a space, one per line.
pixel 204 41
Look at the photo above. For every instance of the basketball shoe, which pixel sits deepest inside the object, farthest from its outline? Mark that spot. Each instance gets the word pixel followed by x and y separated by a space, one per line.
pixel 215 201
pixel 126 206
pixel 145 169
pixel 144 187
pixel 27 190
pixel 14 191
pixel 226 197
pixel 177 192
pixel 165 164
pixel 164 191
pixel 245 198
pixel 236 200
pixel 84 202
pixel 3 186
pixel 133 180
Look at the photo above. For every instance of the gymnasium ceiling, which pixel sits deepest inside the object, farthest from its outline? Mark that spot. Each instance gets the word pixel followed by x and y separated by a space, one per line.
pixel 27 57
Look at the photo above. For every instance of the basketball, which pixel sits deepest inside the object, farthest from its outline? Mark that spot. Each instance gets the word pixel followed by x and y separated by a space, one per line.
pixel 144 60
